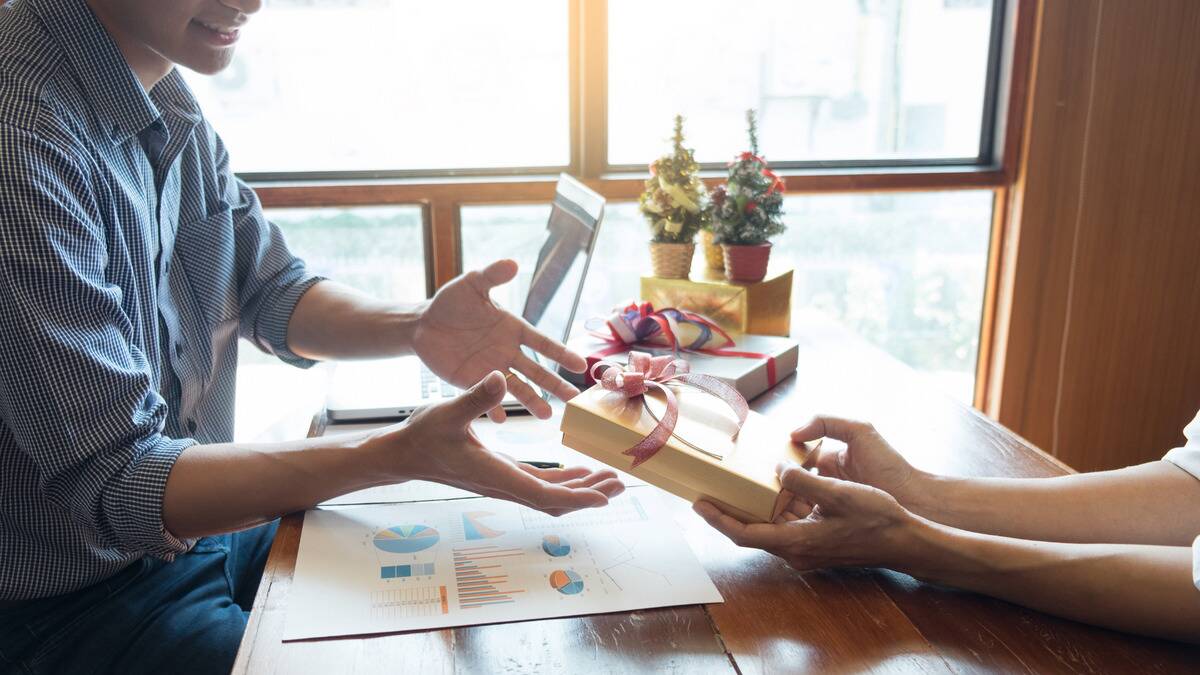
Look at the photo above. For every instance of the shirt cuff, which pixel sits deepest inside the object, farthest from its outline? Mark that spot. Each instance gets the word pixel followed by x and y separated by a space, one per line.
pixel 271 325
pixel 1196 562
pixel 134 505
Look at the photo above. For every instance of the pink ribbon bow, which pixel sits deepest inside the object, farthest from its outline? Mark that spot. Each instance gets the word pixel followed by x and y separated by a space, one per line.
pixel 645 371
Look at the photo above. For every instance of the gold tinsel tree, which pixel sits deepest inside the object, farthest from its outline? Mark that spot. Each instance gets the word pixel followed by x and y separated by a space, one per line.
pixel 675 201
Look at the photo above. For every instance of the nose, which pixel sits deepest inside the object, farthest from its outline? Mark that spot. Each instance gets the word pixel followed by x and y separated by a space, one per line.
pixel 244 6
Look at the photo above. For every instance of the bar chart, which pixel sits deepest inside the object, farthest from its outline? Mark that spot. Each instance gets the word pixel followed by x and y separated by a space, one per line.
pixel 404 571
pixel 481 578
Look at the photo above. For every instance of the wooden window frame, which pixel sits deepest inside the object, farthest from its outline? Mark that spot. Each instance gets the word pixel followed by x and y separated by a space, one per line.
pixel 442 194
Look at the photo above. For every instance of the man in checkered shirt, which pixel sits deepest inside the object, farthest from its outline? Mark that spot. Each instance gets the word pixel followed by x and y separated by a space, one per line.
pixel 132 530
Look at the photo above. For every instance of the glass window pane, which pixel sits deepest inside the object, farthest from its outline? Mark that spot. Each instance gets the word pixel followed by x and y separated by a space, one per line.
pixel 395 84
pixel 832 80
pixel 490 233
pixel 378 250
pixel 904 270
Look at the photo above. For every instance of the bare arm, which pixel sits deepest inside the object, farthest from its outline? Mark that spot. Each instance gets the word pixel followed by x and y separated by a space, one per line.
pixel 224 487
pixel 333 321
pixel 1130 587
pixel 460 334
pixel 219 488
pixel 1153 503
pixel 1135 588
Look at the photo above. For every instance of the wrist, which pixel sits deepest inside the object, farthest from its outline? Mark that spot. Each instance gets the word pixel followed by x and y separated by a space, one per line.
pixel 946 555
pixel 386 453
pixel 918 545
pixel 923 493
pixel 401 322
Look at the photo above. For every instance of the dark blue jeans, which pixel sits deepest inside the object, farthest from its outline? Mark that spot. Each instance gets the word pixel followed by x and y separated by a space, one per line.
pixel 185 616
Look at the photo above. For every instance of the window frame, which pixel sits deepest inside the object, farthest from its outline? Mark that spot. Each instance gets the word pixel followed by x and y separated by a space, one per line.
pixel 441 193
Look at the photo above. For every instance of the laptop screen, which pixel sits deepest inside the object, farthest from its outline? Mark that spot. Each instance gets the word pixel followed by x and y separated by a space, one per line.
pixel 562 262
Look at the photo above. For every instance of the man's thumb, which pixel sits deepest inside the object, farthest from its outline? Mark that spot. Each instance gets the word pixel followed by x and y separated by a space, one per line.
pixel 802 482
pixel 485 395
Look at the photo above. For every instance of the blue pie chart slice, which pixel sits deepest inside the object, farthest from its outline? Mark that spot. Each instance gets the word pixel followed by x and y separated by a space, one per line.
pixel 406 538
pixel 555 545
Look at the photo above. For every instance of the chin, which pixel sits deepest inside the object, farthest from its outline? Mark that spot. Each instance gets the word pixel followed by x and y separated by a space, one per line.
pixel 207 63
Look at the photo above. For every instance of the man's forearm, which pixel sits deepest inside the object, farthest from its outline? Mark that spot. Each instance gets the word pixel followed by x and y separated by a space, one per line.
pixel 230 486
pixel 332 321
pixel 1135 588
pixel 1152 503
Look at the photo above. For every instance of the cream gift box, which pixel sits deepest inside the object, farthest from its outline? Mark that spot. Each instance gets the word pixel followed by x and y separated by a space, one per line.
pixel 737 473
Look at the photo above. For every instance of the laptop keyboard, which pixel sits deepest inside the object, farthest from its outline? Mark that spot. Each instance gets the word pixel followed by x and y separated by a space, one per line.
pixel 433 386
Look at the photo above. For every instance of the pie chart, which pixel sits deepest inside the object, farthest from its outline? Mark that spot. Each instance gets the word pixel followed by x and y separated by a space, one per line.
pixel 566 582
pixel 555 545
pixel 406 538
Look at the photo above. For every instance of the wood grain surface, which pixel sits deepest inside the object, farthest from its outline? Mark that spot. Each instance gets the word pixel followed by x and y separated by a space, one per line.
pixel 774 619
pixel 1099 362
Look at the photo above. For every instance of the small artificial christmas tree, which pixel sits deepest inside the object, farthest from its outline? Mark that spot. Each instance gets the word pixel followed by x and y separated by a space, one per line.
pixel 747 212
pixel 675 203
pixel 748 208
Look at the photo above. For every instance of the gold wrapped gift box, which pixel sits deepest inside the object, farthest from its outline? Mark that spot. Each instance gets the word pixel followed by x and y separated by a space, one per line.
pixel 736 473
pixel 762 308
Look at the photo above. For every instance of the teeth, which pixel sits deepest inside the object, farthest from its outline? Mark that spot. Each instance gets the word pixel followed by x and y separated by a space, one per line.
pixel 219 29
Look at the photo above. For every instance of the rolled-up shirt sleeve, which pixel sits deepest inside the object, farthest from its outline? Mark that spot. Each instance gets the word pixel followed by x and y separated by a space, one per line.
pixel 1187 458
pixel 271 278
pixel 76 392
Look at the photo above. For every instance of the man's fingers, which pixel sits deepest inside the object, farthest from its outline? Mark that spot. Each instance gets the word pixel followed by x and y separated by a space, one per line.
pixel 553 349
pixel 834 427
pixel 804 484
pixel 611 487
pixel 529 398
pixel 545 379
pixel 481 398
pixel 605 481
pixel 499 272
pixel 515 482
pixel 497 414
pixel 757 535
pixel 557 475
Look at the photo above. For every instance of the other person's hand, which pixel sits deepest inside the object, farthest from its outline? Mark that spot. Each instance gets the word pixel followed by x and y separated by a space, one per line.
pixel 462 336
pixel 829 523
pixel 437 444
pixel 866 458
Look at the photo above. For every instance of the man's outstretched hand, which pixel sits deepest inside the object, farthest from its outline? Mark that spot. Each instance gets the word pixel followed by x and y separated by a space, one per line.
pixel 462 336
pixel 437 444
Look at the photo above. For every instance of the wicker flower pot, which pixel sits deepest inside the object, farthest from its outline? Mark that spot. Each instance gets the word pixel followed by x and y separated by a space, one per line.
pixel 746 262
pixel 714 257
pixel 671 261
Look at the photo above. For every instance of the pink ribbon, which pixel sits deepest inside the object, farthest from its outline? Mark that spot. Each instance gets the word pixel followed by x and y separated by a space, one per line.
pixel 644 371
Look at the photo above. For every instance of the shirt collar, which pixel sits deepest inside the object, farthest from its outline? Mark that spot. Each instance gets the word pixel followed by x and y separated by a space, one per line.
pixel 110 85
pixel 174 97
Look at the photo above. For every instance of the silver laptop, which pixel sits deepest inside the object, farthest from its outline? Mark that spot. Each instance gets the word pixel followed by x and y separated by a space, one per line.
pixel 394 388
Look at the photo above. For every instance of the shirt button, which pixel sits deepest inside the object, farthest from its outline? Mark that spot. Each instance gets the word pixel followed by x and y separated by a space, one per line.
pixel 179 348
pixel 166 266
pixel 191 425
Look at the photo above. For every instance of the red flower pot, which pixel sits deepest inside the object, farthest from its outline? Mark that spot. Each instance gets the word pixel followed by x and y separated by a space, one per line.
pixel 746 263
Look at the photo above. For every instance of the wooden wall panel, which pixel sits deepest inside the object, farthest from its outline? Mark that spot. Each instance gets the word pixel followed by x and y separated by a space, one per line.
pixel 1100 358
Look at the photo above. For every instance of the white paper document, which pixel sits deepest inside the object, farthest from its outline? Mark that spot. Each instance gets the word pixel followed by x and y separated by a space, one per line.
pixel 382 568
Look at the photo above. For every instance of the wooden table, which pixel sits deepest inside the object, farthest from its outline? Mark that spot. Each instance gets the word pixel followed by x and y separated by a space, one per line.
pixel 774 619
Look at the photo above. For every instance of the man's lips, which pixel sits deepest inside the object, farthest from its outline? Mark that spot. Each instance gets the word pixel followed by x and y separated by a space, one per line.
pixel 217 33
